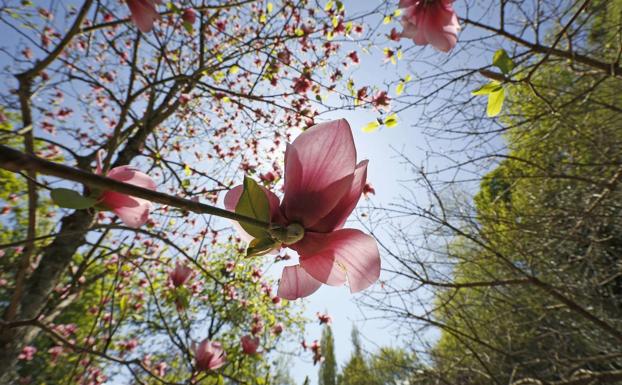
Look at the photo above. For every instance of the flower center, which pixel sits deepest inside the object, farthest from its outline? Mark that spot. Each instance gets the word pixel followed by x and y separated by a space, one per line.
pixel 289 235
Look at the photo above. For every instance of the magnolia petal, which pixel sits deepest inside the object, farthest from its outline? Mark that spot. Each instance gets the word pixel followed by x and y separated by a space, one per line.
pixel 406 3
pixel 442 35
pixel 410 31
pixel 339 214
pixel 134 212
pixel 317 167
pixel 131 175
pixel 143 13
pixel 296 283
pixel 347 253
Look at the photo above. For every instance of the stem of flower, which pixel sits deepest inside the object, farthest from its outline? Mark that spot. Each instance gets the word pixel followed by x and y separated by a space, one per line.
pixel 15 161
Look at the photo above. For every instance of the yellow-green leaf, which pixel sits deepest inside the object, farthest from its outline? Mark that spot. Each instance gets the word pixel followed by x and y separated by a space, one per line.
pixel 486 89
pixel 391 121
pixel 495 102
pixel 399 89
pixel 502 60
pixel 387 19
pixel 187 170
pixel 349 26
pixel 329 5
pixel 254 203
pixel 269 7
pixel 335 21
pixel 70 199
pixel 371 126
pixel 261 246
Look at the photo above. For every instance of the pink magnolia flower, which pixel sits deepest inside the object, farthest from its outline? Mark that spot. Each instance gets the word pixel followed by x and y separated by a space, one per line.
pixel 277 329
pixel 189 16
pixel 134 212
pixel 323 184
pixel 249 344
pixel 430 22
pixel 209 355
pixel 144 13
pixel 180 274
pixel 324 318
pixel 28 353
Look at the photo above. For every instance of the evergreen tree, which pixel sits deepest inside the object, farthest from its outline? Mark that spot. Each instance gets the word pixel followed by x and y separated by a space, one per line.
pixel 356 371
pixel 328 368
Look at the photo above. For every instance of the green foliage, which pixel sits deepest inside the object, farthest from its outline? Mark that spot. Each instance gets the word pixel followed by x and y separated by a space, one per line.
pixel 387 366
pixel 542 212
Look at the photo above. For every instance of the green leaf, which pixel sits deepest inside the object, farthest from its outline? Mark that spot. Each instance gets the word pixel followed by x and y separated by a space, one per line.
pixel 486 89
pixel 495 102
pixel 391 121
pixel 70 199
pixel 502 61
pixel 188 27
pixel 254 203
pixel 371 126
pixel 329 5
pixel 261 246
pixel 123 304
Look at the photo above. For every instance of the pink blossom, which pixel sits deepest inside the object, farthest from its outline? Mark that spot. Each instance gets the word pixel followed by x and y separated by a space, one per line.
pixel 180 274
pixel 189 16
pixel 323 184
pixel 317 352
pixel 144 13
pixel 277 329
pixel 324 318
pixel 381 101
pixel 209 355
pixel 28 353
pixel 160 369
pixel 249 344
pixel 134 212
pixel 368 189
pixel 430 22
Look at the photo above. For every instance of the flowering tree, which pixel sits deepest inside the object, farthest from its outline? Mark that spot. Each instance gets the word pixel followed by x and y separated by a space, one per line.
pixel 192 96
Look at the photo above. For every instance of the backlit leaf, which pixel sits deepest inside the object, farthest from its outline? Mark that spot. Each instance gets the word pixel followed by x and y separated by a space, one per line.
pixel 391 121
pixel 399 89
pixel 486 89
pixel 502 60
pixel 495 102
pixel 371 126
pixel 261 246
pixel 70 199
pixel 254 203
